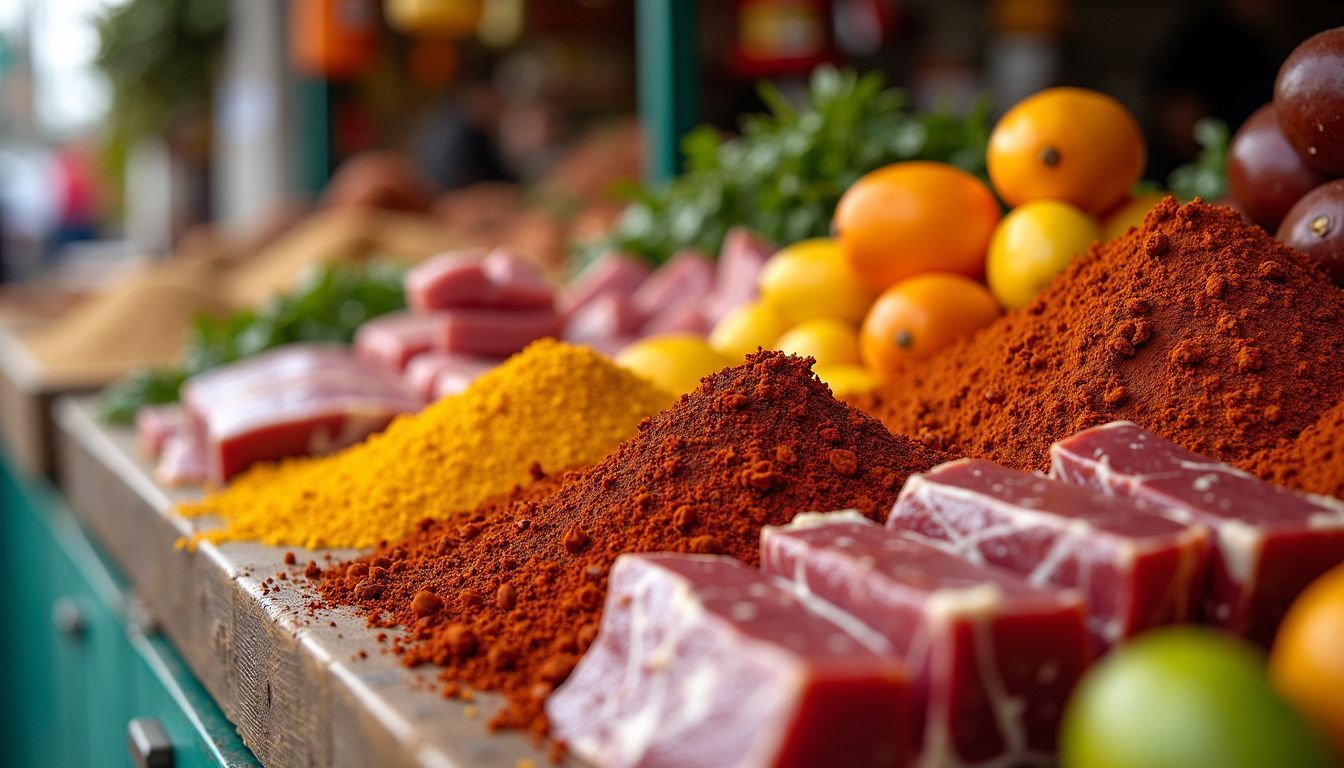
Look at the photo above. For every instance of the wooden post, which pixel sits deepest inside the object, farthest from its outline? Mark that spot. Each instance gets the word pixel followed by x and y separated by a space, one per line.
pixel 669 74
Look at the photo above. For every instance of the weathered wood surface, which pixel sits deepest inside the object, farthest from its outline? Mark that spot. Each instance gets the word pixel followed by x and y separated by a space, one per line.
pixel 26 397
pixel 290 681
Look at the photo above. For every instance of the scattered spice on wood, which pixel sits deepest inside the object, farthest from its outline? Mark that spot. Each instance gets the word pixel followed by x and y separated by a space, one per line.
pixel 1197 326
pixel 753 445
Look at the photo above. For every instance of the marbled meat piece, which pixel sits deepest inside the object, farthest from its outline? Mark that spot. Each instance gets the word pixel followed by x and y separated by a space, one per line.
pixel 1269 543
pixel 741 260
pixel 1136 568
pixel 612 273
pixel 609 316
pixel 702 661
pixel 296 400
pixel 498 279
pixel 992 659
pixel 424 373
pixel 182 461
pixel 686 278
pixel 154 424
pixel 493 332
pixel 391 340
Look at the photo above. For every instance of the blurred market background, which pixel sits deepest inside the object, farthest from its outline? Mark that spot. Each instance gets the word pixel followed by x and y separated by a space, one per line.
pixel 133 129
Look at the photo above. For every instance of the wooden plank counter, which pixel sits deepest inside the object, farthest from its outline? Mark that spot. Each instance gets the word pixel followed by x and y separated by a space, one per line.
pixel 292 682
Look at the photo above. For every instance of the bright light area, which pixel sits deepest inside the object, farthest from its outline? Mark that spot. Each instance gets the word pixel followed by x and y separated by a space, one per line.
pixel 71 95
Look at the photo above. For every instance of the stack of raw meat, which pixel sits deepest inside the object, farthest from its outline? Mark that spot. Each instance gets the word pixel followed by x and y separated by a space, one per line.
pixel 951 636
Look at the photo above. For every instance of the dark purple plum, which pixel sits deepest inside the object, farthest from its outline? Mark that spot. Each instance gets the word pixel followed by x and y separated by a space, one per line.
pixel 1309 95
pixel 1265 175
pixel 1315 226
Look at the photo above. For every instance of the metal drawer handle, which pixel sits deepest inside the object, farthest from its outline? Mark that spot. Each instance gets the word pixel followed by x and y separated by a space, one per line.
pixel 149 744
pixel 68 616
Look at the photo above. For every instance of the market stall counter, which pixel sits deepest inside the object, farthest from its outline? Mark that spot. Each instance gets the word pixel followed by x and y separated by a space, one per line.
pixel 303 687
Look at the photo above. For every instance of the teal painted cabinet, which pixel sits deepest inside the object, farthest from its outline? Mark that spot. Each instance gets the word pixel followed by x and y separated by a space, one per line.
pixel 76 665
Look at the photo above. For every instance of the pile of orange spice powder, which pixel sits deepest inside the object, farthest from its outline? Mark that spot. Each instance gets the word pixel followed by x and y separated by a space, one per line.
pixel 508 598
pixel 1197 326
pixel 1314 462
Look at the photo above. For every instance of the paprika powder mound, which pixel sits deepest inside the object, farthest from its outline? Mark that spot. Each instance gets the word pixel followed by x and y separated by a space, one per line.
pixel 1197 326
pixel 508 598
pixel 1314 462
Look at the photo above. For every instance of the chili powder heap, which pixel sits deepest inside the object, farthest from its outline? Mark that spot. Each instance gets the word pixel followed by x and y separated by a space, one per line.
pixel 1314 462
pixel 1197 326
pixel 508 598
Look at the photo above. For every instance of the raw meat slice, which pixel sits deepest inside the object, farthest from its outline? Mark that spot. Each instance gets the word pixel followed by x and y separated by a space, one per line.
pixel 182 461
pixel 296 400
pixel 687 278
pixel 702 661
pixel 393 339
pixel 611 273
pixel 992 659
pixel 1269 543
pixel 493 332
pixel 1136 568
pixel 453 380
pixel 473 278
pixel 678 318
pixel 608 316
pixel 741 260
pixel 425 372
pixel 154 424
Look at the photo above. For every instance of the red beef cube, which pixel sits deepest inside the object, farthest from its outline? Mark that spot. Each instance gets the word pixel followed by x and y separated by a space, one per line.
pixel 493 332
pixel 390 341
pixel 1136 568
pixel 702 661
pixel 992 659
pixel 498 279
pixel 1269 542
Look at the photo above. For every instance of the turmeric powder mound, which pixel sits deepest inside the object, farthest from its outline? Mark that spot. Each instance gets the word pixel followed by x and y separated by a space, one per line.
pixel 553 406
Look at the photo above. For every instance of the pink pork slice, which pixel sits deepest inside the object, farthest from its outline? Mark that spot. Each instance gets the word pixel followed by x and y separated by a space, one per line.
pixel 425 372
pixel 393 339
pixel 1269 543
pixel 182 461
pixel 493 332
pixel 301 399
pixel 992 659
pixel 612 273
pixel 1136 568
pixel 610 316
pixel 687 278
pixel 498 279
pixel 701 661
pixel 741 260
pixel 154 424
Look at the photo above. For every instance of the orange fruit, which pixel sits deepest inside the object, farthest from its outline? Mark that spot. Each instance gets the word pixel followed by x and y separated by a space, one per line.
pixel 917 317
pixel 1307 663
pixel 1068 144
pixel 909 218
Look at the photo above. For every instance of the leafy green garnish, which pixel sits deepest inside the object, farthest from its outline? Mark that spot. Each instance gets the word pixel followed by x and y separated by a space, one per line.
pixel 784 174
pixel 1206 177
pixel 329 307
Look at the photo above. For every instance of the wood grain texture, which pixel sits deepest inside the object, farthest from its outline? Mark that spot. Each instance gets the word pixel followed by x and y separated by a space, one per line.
pixel 292 683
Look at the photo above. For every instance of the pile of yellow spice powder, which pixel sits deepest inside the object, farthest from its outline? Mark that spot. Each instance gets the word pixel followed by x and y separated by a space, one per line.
pixel 553 405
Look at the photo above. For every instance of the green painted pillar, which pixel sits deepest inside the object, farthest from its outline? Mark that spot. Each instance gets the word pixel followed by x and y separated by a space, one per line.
pixel 311 133
pixel 669 80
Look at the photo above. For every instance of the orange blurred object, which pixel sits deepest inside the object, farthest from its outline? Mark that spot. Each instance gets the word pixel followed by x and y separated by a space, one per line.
pixel 333 38
pixel 918 317
pixel 433 63
pixel 450 19
pixel 1070 144
pixel 915 217
pixel 1307 664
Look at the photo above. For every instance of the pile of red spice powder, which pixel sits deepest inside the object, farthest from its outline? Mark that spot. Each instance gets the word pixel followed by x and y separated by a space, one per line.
pixel 1197 326
pixel 1314 462
pixel 508 598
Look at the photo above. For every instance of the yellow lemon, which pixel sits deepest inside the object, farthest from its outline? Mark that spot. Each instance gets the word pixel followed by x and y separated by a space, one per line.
pixel 846 380
pixel 676 362
pixel 830 341
pixel 1130 214
pixel 1031 245
pixel 744 329
pixel 813 279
